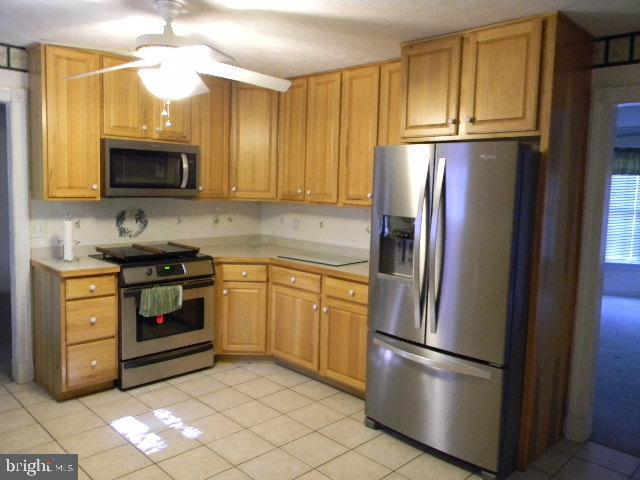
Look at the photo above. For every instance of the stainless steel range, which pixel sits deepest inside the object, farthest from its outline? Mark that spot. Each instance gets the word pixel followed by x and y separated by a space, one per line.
pixel 152 348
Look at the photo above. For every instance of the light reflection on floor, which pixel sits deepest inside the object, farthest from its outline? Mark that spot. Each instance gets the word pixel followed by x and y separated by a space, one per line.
pixel 138 434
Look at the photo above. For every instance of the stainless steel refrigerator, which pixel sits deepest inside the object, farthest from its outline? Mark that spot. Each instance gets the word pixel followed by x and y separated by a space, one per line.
pixel 449 278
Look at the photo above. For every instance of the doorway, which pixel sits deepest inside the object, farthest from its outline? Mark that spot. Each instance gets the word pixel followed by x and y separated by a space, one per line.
pixel 5 277
pixel 616 413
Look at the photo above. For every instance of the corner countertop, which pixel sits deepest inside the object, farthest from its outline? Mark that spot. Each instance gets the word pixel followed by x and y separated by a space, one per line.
pixel 227 252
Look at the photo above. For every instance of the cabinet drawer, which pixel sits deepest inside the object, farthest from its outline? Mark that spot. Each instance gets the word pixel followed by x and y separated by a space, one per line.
pixel 296 279
pixel 90 287
pixel 345 290
pixel 244 273
pixel 91 319
pixel 91 363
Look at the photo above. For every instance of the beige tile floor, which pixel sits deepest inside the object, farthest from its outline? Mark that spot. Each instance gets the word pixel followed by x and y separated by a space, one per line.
pixel 243 421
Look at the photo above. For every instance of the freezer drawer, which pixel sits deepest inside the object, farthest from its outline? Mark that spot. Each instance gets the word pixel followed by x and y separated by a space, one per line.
pixel 449 404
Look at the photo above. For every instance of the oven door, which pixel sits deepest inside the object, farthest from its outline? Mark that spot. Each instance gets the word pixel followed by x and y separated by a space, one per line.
pixel 192 324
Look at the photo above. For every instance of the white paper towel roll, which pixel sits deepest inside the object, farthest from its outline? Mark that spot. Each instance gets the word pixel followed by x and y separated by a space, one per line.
pixel 67 239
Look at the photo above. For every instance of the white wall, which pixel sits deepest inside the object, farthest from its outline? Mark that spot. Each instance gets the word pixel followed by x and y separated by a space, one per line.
pixel 167 219
pixel 5 279
pixel 349 227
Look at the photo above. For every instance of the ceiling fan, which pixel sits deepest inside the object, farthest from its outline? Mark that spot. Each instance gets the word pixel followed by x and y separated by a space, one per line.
pixel 169 64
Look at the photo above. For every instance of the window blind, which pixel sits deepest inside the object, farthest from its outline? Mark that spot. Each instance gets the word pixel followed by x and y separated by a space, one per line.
pixel 623 226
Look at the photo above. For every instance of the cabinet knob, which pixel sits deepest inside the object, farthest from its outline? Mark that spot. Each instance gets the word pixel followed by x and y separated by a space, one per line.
pixel 452 121
pixel 314 306
pixel 244 273
pixel 200 188
pixel 94 363
pixel 293 279
pixel 308 192
pixel 299 191
pixel 92 288
pixel 225 292
pixel 325 309
pixel 352 292
pixel 234 189
pixel 144 128
pixel 94 187
pixel 93 321
pixel 471 120
pixel 158 129
pixel 369 195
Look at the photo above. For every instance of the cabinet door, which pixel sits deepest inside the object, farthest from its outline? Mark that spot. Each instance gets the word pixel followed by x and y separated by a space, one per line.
pixel 358 133
pixel 389 128
pixel 343 342
pixel 180 116
pixel 73 124
pixel 125 102
pixel 323 136
pixel 244 317
pixel 210 117
pixel 295 326
pixel 254 129
pixel 500 76
pixel 292 138
pixel 431 85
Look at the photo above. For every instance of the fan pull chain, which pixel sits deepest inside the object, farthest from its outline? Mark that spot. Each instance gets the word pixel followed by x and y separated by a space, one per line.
pixel 166 113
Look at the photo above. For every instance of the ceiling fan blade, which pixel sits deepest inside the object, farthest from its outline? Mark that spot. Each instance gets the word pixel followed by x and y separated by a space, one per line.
pixel 135 64
pixel 243 75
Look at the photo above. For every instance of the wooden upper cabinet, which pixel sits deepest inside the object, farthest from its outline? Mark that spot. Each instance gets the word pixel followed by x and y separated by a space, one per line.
pixel 323 136
pixel 295 326
pixel 254 128
pixel 389 121
pixel 358 133
pixel 292 138
pixel 210 117
pixel 431 86
pixel 70 140
pixel 180 129
pixel 125 102
pixel 501 71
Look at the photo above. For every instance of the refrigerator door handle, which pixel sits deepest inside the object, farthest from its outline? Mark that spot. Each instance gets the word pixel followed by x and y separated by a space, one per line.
pixel 419 252
pixel 435 247
pixel 429 362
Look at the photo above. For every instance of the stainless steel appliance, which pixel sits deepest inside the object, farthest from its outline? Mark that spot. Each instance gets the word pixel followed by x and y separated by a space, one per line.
pixel 150 169
pixel 449 277
pixel 152 348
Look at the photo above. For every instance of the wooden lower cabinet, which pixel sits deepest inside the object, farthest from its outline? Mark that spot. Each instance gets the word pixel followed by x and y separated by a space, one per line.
pixel 75 345
pixel 243 318
pixel 295 326
pixel 343 342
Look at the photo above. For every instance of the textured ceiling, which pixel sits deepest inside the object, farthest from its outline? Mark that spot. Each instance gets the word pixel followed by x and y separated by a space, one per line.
pixel 292 37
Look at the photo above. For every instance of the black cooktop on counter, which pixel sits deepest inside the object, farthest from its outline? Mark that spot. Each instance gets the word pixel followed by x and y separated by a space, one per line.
pixel 146 252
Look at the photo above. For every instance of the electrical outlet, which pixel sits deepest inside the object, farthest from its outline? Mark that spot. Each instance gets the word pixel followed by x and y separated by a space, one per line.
pixel 38 229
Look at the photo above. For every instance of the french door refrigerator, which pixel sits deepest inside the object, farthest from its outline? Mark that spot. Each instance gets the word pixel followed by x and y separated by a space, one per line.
pixel 450 258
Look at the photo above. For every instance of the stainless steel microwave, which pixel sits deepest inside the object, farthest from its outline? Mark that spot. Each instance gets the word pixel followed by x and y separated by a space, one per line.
pixel 150 169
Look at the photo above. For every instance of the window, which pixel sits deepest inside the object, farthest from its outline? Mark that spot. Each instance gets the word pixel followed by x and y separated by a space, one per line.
pixel 623 227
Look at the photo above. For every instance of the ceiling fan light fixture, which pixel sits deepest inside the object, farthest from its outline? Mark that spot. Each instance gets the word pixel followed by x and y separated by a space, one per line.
pixel 172 82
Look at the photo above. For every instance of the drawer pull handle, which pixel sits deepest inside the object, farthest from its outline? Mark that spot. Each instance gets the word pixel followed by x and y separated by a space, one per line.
pixel 325 309
pixel 352 292
pixel 144 128
pixel 93 321
pixel 92 288
pixel 315 307
pixel 299 191
pixel 234 189
pixel 94 363
pixel 293 279
pixel 244 273
pixel 225 292
pixel 308 192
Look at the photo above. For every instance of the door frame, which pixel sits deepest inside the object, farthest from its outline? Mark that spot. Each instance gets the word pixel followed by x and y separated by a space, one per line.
pixel 586 334
pixel 19 235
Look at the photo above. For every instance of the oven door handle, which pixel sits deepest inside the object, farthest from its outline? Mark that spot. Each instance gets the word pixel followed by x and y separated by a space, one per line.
pixel 132 291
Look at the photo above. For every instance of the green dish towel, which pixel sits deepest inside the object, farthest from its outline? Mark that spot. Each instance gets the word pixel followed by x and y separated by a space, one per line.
pixel 160 300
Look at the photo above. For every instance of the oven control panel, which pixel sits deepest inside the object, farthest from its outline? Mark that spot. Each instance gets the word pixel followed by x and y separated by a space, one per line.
pixel 170 270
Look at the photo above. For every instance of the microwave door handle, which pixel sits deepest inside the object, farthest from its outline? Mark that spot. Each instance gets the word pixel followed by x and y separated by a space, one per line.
pixel 185 170
pixel 435 247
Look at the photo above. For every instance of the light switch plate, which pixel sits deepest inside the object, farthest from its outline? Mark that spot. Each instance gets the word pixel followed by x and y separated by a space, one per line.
pixel 38 229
